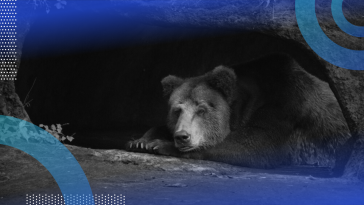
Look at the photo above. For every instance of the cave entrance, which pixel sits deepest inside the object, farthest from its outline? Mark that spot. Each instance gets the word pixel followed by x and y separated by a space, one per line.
pixel 103 78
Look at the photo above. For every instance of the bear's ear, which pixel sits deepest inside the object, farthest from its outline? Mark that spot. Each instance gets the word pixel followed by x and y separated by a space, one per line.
pixel 223 79
pixel 170 83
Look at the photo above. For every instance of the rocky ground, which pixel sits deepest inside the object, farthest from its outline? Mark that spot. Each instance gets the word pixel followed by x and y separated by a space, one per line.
pixel 150 179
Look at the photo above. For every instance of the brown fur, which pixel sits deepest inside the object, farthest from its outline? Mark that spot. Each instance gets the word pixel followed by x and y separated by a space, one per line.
pixel 263 113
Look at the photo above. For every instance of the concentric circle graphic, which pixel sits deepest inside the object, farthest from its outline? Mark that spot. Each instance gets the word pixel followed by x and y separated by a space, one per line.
pixel 320 43
pixel 347 27
pixel 52 154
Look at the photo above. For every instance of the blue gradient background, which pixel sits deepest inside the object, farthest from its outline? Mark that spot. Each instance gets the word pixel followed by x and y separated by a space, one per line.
pixel 117 35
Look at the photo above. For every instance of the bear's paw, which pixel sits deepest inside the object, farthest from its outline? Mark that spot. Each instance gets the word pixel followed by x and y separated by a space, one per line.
pixel 156 146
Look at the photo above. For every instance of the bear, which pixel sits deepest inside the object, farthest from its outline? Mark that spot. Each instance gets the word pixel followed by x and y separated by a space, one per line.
pixel 265 113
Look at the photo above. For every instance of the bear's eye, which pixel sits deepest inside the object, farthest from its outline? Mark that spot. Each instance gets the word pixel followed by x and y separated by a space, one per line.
pixel 176 111
pixel 201 111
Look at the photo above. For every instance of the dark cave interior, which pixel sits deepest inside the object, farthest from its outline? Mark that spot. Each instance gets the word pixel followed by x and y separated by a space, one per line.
pixel 103 77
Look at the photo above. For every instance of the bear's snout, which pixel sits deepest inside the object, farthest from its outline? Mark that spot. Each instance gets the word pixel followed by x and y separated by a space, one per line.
pixel 182 137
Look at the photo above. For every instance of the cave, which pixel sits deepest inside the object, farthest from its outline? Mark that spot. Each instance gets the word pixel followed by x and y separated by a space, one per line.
pixel 110 80
pixel 97 71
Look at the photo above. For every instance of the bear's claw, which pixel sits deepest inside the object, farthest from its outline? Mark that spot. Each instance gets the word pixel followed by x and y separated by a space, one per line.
pixel 152 146
pixel 138 146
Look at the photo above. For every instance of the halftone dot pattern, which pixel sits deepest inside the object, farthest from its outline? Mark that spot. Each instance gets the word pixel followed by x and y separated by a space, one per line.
pixel 8 40
pixel 76 199
pixel 109 199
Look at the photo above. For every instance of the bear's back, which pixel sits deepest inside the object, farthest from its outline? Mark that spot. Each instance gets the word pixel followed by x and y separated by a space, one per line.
pixel 299 109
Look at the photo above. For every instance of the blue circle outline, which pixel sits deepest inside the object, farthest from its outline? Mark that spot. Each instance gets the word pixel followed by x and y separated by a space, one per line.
pixel 320 43
pixel 55 157
pixel 342 22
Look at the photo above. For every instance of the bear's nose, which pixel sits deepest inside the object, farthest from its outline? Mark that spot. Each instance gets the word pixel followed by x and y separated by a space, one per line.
pixel 182 136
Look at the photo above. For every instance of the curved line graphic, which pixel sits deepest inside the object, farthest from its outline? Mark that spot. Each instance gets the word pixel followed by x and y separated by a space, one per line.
pixel 342 22
pixel 56 158
pixel 320 43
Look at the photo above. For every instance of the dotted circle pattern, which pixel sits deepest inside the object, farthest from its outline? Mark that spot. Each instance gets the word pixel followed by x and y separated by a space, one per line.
pixel 75 199
pixel 8 67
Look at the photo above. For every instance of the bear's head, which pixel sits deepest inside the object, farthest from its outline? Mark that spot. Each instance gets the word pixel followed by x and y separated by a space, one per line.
pixel 199 108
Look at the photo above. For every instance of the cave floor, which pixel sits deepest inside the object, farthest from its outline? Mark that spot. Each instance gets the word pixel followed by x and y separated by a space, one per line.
pixel 156 180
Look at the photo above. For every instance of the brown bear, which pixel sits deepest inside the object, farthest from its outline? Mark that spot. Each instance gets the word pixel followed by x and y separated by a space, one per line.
pixel 264 113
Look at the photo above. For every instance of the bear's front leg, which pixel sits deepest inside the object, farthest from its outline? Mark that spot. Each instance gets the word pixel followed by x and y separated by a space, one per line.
pixel 157 140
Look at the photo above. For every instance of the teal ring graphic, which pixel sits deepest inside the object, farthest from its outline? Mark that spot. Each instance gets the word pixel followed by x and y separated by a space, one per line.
pixel 320 43
pixel 345 25
pixel 52 154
